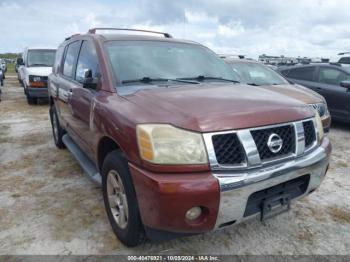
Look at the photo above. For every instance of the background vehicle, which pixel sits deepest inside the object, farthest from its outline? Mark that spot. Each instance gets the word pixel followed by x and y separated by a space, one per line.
pixel 33 71
pixel 257 74
pixel 3 67
pixel 343 58
pixel 1 82
pixel 175 139
pixel 332 81
pixel 1 77
pixel 18 63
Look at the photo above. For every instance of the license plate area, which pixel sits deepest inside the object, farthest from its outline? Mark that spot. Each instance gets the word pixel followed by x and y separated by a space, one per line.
pixel 274 206
pixel 294 188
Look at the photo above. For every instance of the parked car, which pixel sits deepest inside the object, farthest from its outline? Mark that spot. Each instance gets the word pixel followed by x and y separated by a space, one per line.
pixel 3 67
pixel 332 81
pixel 343 58
pixel 179 146
pixel 18 63
pixel 1 82
pixel 1 77
pixel 257 74
pixel 33 71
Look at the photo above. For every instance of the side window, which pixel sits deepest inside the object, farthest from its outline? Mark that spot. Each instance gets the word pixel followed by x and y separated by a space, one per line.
pixel 302 73
pixel 285 72
pixel 331 76
pixel 69 61
pixel 87 61
pixel 344 60
pixel 58 59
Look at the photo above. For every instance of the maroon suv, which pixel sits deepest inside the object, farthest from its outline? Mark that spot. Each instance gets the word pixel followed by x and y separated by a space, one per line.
pixel 179 145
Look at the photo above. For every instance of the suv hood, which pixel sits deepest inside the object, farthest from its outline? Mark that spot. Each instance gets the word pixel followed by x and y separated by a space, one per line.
pixel 215 107
pixel 39 70
pixel 299 92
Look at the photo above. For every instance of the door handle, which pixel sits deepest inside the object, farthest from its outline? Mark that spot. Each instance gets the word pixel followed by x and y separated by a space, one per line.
pixel 69 94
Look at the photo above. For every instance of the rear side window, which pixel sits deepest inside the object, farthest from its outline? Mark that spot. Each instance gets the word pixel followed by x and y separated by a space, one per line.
pixel 302 73
pixel 87 61
pixel 332 76
pixel 71 57
pixel 344 60
pixel 58 59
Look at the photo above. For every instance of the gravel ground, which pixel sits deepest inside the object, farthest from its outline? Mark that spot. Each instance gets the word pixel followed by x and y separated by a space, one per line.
pixel 47 205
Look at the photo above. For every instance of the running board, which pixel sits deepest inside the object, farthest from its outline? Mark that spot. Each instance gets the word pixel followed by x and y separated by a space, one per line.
pixel 86 164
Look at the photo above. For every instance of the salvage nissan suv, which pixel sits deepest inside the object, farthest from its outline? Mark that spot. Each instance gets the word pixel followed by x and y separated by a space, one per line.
pixel 179 146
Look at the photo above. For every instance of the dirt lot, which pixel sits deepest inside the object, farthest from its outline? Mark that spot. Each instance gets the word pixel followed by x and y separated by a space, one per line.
pixel 47 205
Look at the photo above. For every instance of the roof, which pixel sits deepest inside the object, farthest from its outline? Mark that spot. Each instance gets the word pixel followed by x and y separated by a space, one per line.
pixel 335 65
pixel 125 37
pixel 138 35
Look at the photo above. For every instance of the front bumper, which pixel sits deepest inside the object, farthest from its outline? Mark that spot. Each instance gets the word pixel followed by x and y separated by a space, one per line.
pixel 236 188
pixel 39 92
pixel 164 198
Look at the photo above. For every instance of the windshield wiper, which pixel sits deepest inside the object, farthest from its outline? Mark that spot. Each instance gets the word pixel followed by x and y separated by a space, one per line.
pixel 40 65
pixel 253 84
pixel 202 78
pixel 149 80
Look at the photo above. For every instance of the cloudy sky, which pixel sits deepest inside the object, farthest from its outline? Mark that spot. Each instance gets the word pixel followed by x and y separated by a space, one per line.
pixel 250 27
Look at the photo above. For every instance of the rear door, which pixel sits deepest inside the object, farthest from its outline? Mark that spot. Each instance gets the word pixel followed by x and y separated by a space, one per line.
pixel 304 75
pixel 53 80
pixel 338 97
pixel 82 98
pixel 66 85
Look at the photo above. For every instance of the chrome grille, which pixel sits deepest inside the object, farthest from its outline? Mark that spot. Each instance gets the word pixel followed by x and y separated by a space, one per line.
pixel 261 137
pixel 228 149
pixel 244 148
pixel 309 133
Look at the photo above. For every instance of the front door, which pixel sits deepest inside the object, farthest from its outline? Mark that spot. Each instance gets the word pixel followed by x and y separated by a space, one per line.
pixel 338 97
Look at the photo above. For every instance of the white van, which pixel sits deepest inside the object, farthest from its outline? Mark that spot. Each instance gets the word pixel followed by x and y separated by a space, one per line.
pixel 35 67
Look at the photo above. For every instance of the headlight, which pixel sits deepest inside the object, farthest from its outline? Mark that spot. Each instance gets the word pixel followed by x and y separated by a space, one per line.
pixel 321 108
pixel 319 126
pixel 165 144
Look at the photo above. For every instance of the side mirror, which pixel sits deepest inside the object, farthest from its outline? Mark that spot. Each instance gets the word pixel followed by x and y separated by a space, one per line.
pixel 87 80
pixel 345 84
pixel 20 61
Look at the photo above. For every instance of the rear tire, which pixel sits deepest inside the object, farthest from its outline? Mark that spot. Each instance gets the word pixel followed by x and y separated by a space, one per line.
pixel 120 200
pixel 57 131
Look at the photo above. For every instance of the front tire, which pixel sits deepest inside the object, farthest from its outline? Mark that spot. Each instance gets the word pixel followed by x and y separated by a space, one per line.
pixel 120 200
pixel 57 130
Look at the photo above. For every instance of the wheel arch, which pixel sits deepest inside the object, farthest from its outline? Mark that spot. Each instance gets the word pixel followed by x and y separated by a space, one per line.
pixel 105 146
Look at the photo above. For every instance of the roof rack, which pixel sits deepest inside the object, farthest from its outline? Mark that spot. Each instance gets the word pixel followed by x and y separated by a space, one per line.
pixel 69 37
pixel 343 53
pixel 93 31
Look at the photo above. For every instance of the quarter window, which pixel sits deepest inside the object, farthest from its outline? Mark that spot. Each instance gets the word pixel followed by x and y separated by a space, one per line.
pixel 87 61
pixel 58 59
pixel 332 76
pixel 71 56
pixel 302 73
